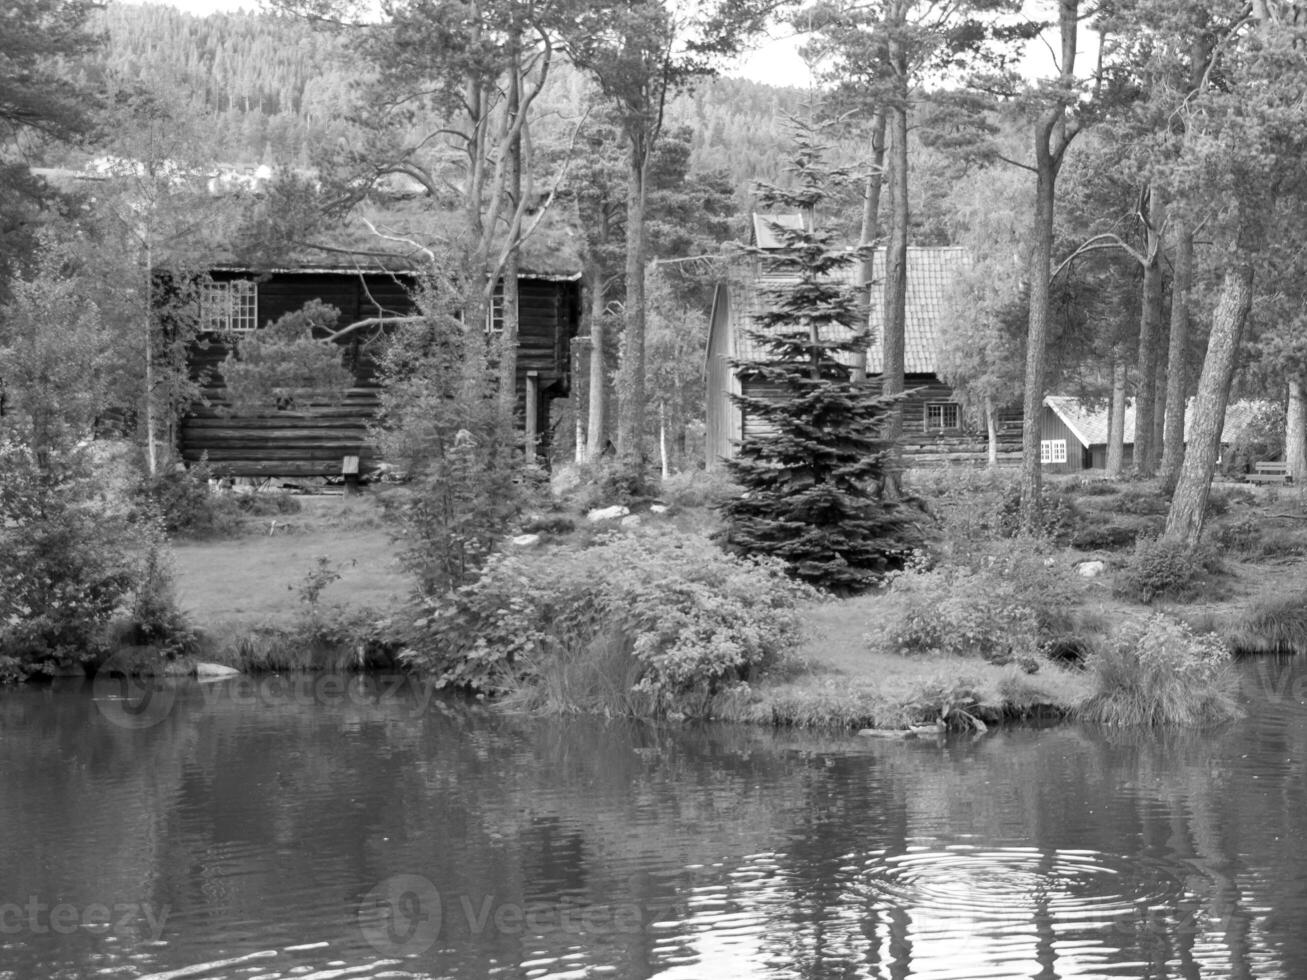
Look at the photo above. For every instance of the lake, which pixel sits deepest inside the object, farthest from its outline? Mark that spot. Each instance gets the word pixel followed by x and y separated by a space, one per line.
pixel 343 827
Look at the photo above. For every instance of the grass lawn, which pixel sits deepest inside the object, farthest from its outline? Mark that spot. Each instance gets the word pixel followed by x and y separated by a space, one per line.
pixel 255 579
pixel 839 681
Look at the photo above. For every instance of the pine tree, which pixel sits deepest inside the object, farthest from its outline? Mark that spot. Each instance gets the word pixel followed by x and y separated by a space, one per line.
pixel 813 470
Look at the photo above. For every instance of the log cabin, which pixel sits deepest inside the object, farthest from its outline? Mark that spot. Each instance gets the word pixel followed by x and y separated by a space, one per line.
pixel 315 440
pixel 936 429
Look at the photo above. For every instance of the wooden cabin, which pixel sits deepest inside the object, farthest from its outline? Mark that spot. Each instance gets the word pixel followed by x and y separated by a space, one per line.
pixel 315 440
pixel 1073 431
pixel 936 429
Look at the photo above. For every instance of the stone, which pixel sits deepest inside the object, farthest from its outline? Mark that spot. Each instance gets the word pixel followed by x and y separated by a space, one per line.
pixel 608 513
pixel 632 521
pixel 214 670
pixel 1091 569
pixel 658 508
pixel 525 541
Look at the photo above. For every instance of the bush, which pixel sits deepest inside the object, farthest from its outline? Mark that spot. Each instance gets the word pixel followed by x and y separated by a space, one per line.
pixel 697 619
pixel 183 502
pixel 698 488
pixel 1058 515
pixel 1108 536
pixel 1009 605
pixel 1143 500
pixel 156 619
pixel 1161 673
pixel 1165 569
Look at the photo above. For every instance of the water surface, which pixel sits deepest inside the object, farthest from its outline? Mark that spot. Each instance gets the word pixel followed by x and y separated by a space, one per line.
pixel 359 827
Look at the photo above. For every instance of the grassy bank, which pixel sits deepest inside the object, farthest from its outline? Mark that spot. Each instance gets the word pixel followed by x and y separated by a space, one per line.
pixel 246 597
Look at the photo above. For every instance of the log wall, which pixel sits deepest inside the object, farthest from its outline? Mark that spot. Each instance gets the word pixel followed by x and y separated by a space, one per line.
pixel 312 440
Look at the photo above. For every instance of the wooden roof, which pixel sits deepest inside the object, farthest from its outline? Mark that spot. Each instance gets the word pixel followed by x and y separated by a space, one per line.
pixel 930 272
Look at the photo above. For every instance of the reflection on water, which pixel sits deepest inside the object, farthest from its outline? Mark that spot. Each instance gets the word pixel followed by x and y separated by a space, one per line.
pixel 348 827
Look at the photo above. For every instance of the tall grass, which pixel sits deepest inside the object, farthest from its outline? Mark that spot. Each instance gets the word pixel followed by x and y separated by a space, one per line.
pixel 1274 625
pixel 598 677
pixel 1161 673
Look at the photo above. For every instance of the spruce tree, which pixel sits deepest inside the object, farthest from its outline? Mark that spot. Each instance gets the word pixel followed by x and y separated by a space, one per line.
pixel 814 462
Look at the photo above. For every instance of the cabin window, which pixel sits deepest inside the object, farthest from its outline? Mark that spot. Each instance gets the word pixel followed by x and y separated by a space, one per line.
pixel 1052 451
pixel 495 311
pixel 943 415
pixel 232 305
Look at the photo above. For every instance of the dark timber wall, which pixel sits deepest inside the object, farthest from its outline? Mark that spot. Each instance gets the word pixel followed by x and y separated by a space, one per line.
pixel 313 440
pixel 924 446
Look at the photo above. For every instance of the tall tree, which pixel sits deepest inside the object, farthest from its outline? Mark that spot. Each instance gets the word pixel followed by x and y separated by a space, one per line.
pixel 1244 144
pixel 810 476
pixel 639 55
pixel 884 52
pixel 39 102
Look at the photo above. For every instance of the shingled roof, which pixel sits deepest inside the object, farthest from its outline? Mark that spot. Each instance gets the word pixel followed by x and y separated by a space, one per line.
pixel 930 271
pixel 1089 426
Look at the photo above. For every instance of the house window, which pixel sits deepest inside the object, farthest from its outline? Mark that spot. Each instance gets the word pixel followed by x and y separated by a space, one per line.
pixel 232 305
pixel 495 311
pixel 943 415
pixel 1052 451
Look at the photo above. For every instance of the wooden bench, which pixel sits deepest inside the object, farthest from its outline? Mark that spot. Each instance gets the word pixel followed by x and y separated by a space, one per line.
pixel 1276 472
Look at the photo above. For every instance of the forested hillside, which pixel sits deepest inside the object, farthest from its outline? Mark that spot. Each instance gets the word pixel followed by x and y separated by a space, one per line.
pixel 274 88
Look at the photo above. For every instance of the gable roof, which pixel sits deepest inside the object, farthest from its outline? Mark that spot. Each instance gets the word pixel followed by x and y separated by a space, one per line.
pixel 930 272
pixel 1089 426
pixel 764 235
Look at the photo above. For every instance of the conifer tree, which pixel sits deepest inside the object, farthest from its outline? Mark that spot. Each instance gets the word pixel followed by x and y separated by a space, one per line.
pixel 814 464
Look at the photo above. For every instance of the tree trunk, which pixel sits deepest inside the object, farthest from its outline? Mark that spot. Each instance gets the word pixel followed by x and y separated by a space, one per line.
pixel 508 339
pixel 1177 381
pixel 662 440
pixel 896 293
pixel 1159 405
pixel 870 226
pixel 1189 504
pixel 1150 327
pixel 1041 258
pixel 1295 433
pixel 598 376
pixel 631 405
pixel 1116 416
pixel 151 423
pixel 991 431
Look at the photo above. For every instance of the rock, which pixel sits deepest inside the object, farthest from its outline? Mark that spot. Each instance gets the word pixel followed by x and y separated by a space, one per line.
pixel 658 508
pixel 214 670
pixel 525 541
pixel 608 513
pixel 632 521
pixel 1091 569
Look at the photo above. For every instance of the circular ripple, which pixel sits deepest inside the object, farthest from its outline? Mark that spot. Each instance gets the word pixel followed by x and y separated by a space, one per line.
pixel 1014 884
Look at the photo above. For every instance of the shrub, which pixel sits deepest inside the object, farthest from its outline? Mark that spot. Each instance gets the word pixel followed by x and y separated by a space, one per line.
pixel 697 619
pixel 1243 535
pixel 156 619
pixel 184 503
pixel 1009 605
pixel 1108 536
pixel 1058 515
pixel 1165 569
pixel 1144 500
pixel 65 576
pixel 697 488
pixel 1161 673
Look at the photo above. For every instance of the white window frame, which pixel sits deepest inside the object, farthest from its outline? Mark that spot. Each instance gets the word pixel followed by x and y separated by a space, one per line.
pixel 495 311
pixel 944 410
pixel 230 306
pixel 1052 451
